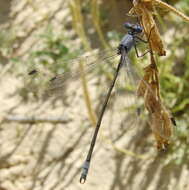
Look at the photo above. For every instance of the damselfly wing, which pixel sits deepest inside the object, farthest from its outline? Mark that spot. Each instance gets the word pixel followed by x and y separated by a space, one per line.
pixel 98 70
pixel 52 84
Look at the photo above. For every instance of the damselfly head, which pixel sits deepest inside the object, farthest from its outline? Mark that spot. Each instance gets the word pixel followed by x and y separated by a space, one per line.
pixel 133 28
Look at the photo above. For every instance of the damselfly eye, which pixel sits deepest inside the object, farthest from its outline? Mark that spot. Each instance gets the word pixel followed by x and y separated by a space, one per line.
pixel 138 28
pixel 128 25
pixel 135 28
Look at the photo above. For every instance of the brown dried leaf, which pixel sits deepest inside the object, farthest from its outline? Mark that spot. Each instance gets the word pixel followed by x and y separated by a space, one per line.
pixel 162 143
pixel 149 73
pixel 161 127
pixel 143 85
pixel 159 116
pixel 152 101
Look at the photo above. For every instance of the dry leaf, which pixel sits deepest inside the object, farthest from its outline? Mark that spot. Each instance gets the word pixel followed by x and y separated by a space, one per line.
pixel 152 102
pixel 161 127
pixel 160 118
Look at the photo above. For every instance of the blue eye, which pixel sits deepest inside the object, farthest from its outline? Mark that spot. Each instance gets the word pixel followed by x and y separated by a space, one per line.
pixel 138 28
pixel 135 28
pixel 128 25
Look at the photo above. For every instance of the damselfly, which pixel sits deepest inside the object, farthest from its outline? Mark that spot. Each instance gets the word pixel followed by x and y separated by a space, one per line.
pixel 56 85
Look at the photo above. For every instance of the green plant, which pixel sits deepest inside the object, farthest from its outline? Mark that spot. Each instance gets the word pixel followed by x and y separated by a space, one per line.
pixel 53 53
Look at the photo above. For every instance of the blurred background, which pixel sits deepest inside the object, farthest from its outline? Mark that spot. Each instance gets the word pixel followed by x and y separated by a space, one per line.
pixel 43 142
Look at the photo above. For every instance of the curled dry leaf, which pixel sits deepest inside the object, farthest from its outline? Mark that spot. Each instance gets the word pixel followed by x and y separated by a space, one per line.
pixel 142 84
pixel 160 118
pixel 161 127
pixel 152 102
pixel 150 73
pixel 144 9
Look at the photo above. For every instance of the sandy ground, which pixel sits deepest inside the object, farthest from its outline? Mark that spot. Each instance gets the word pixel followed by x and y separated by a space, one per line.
pixel 50 156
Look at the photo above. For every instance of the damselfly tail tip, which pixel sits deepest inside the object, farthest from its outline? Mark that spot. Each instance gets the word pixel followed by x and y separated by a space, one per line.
pixel 82 179
pixel 84 173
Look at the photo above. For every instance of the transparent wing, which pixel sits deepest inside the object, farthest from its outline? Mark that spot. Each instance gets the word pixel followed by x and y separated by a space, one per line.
pixel 125 116
pixel 54 84
pixel 98 71
pixel 129 117
pixel 136 120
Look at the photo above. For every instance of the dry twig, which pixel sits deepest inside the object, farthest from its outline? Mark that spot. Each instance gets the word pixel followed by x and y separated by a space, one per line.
pixel 34 119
